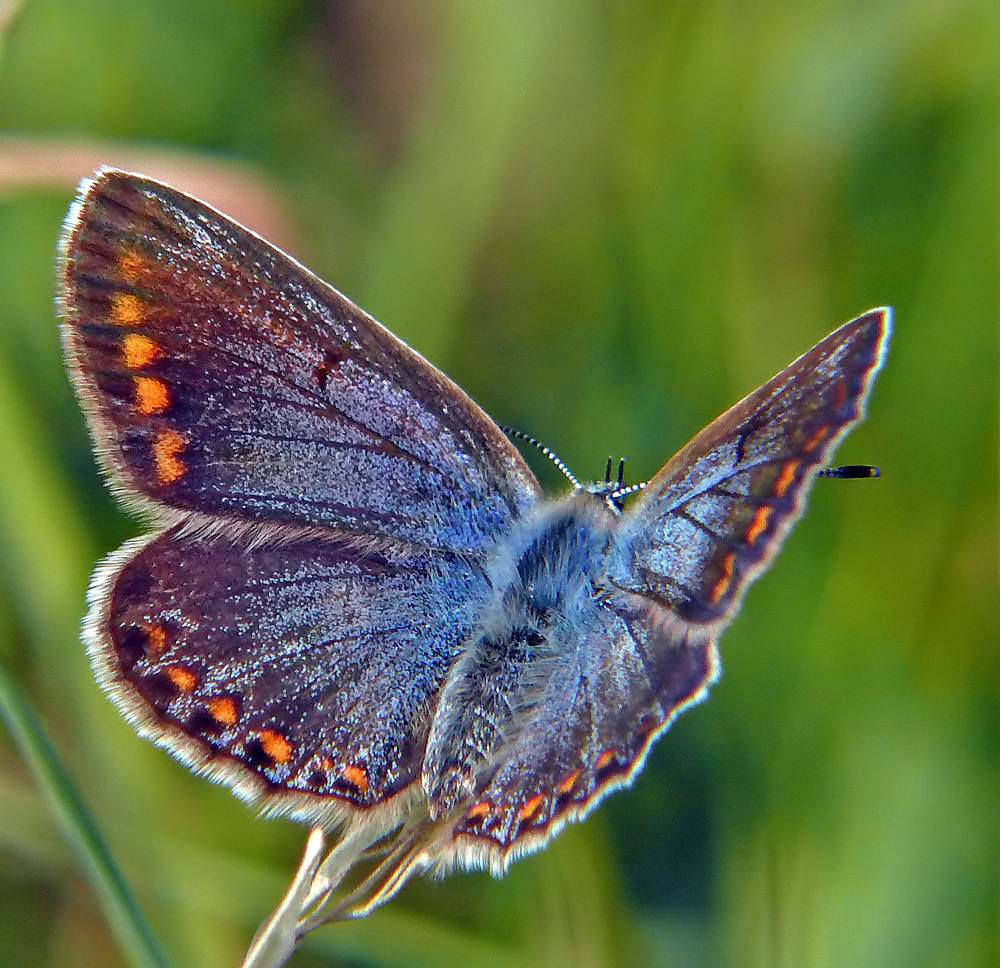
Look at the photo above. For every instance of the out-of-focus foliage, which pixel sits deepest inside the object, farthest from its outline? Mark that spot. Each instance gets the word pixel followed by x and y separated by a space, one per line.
pixel 607 221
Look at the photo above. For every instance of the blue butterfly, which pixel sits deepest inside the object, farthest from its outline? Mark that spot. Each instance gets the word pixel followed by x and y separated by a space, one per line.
pixel 357 607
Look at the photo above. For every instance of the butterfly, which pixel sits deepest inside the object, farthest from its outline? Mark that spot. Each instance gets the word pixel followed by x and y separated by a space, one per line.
pixel 356 607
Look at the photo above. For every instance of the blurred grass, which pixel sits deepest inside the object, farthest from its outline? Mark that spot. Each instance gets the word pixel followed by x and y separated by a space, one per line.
pixel 607 222
pixel 78 827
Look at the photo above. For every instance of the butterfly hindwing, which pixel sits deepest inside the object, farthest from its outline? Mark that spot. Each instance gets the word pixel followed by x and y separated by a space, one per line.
pixel 265 664
pixel 712 519
pixel 221 377
pixel 610 686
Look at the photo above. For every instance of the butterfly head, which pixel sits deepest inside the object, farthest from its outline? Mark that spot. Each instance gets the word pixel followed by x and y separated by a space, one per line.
pixel 613 490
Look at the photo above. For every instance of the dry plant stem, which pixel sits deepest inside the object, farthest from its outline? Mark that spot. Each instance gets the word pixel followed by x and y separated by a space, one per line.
pixel 318 875
pixel 278 936
pixel 337 863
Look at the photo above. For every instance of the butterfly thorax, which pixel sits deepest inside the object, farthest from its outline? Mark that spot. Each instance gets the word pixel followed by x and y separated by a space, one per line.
pixel 544 575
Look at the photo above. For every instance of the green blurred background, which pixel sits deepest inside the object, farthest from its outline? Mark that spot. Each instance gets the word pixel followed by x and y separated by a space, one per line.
pixel 607 221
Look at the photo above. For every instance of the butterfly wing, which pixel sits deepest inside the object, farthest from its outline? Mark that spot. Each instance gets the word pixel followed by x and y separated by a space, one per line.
pixel 713 518
pixel 301 672
pixel 222 378
pixel 631 670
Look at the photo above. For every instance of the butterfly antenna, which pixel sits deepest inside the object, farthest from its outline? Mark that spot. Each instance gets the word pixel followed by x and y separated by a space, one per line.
pixel 850 471
pixel 570 476
pixel 630 490
pixel 617 494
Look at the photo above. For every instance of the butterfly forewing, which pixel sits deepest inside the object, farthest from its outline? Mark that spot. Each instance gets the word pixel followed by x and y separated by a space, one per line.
pixel 222 378
pixel 714 516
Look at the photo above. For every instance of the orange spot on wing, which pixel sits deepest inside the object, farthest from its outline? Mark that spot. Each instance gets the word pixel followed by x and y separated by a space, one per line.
pixel 156 639
pixel 356 776
pixel 127 309
pixel 151 395
pixel 815 440
pixel 275 745
pixel 482 809
pixel 183 678
pixel 567 785
pixel 759 524
pixel 223 710
pixel 166 450
pixel 138 351
pixel 719 588
pixel 785 478
pixel 132 264
pixel 530 810
pixel 326 763
pixel 604 759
